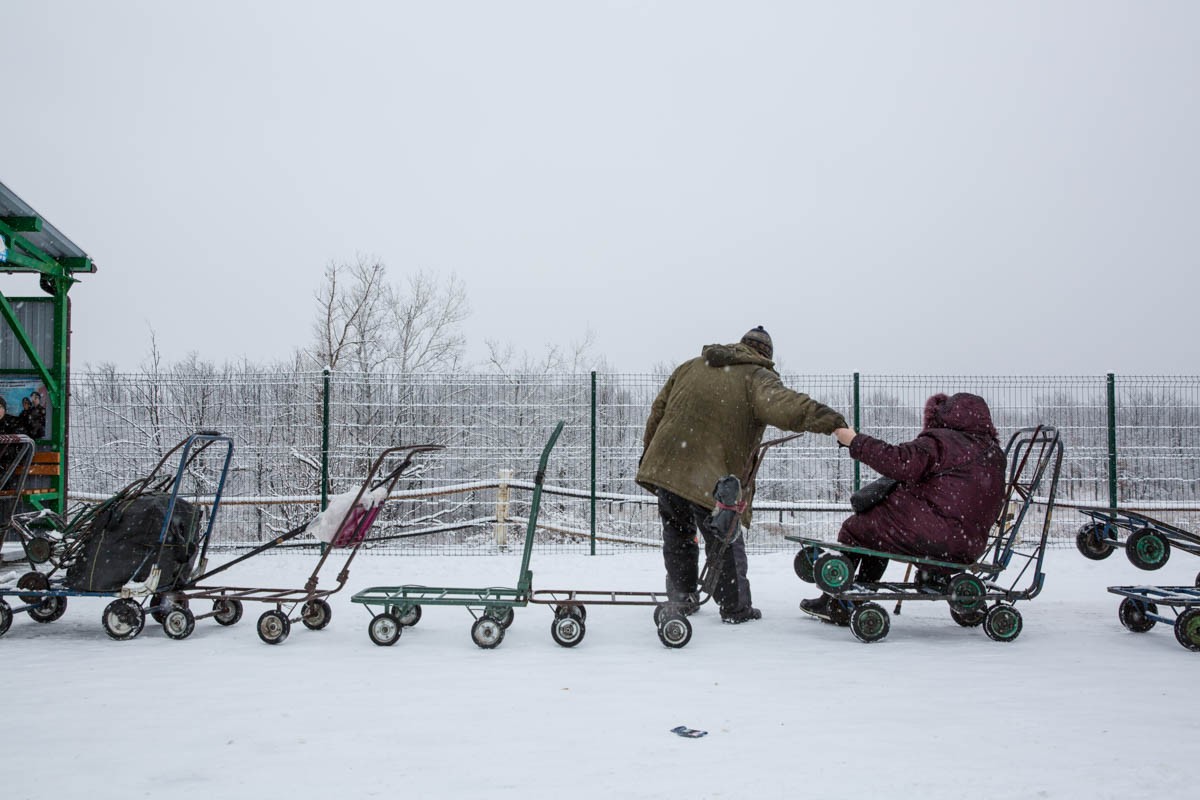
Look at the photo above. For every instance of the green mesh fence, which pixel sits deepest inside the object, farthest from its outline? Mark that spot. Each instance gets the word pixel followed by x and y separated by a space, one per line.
pixel 1158 447
pixel 493 428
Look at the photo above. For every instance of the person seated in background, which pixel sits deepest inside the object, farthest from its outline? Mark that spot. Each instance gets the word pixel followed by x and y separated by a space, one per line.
pixel 34 415
pixel 23 420
pixel 950 492
pixel 9 424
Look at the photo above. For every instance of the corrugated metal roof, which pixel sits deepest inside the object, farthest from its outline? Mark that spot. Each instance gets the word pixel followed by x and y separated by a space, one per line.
pixel 49 240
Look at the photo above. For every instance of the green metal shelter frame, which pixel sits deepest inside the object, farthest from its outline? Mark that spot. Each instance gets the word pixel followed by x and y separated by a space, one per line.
pixel 33 246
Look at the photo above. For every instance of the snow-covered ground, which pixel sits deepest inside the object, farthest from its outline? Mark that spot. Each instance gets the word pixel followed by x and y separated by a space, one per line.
pixel 1077 707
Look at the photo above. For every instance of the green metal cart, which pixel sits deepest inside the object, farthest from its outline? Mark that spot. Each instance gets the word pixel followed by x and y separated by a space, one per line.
pixel 398 607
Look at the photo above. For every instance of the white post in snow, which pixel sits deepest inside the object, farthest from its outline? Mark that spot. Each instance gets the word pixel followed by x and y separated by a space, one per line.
pixel 502 508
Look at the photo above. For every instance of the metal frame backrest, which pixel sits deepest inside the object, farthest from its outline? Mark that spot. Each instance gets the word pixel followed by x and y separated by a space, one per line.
pixel 193 447
pixel 1033 455
pixel 359 521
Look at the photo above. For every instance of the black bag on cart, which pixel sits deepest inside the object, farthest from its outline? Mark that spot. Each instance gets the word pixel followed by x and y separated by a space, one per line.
pixel 122 545
pixel 872 494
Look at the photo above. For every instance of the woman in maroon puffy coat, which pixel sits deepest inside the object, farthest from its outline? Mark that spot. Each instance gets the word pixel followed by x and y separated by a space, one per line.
pixel 950 492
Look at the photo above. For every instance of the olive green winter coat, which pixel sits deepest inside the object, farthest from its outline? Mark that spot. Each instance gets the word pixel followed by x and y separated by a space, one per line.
pixel 710 416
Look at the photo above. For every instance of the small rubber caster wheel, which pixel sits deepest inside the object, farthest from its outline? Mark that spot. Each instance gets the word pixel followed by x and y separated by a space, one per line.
pixel 384 630
pixel 487 632
pixel 274 627
pixel 567 631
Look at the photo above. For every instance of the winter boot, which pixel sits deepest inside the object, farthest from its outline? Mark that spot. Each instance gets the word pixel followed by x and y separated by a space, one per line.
pixel 933 581
pixel 826 609
pixel 740 615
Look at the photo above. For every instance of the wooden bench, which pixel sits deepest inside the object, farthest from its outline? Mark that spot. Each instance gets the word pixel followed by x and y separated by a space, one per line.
pixel 45 468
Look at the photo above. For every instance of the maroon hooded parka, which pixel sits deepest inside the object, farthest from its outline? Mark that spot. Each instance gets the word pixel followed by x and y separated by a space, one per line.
pixel 951 485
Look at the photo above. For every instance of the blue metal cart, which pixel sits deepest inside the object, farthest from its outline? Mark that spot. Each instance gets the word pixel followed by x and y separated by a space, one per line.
pixel 42 594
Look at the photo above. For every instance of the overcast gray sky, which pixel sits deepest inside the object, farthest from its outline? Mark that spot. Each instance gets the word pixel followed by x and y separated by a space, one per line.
pixel 898 187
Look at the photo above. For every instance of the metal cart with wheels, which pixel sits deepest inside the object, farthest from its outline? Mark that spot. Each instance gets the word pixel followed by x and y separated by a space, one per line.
pixel 983 593
pixel 1139 610
pixel 349 524
pixel 1147 541
pixel 670 617
pixel 68 561
pixel 397 607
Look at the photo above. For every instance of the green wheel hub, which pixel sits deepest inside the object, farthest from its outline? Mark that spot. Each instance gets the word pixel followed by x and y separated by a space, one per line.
pixel 1187 628
pixel 1150 549
pixel 1147 549
pixel 833 572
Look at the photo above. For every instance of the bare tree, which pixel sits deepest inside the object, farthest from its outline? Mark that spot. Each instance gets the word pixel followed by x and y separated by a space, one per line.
pixel 352 304
pixel 152 392
pixel 572 358
pixel 427 337
pixel 368 325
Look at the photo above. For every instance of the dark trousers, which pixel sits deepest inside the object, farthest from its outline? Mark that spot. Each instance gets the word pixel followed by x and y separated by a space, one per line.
pixel 681 554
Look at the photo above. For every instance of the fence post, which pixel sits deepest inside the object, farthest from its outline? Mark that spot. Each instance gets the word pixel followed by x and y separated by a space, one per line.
pixel 857 423
pixel 1112 441
pixel 593 453
pixel 325 441
pixel 502 508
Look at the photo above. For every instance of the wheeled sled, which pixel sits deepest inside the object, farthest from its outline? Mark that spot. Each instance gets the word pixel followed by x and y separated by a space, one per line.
pixel 1147 541
pixel 397 607
pixel 344 523
pixel 1139 610
pixel 136 546
pixel 670 617
pixel 983 593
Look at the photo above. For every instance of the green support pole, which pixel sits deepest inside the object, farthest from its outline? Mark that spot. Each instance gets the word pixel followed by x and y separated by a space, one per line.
pixel 857 423
pixel 593 454
pixel 1112 441
pixel 59 429
pixel 325 441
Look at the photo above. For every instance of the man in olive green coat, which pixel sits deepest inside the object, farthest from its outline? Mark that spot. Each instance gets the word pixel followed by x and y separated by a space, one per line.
pixel 706 423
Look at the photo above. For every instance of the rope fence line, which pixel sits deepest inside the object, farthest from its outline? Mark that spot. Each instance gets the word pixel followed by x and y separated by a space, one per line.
pixel 1135 440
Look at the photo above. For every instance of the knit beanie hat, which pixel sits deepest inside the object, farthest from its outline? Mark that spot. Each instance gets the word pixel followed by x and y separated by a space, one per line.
pixel 759 340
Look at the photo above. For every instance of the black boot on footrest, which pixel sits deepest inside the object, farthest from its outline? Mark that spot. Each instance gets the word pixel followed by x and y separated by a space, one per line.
pixel 933 581
pixel 826 609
